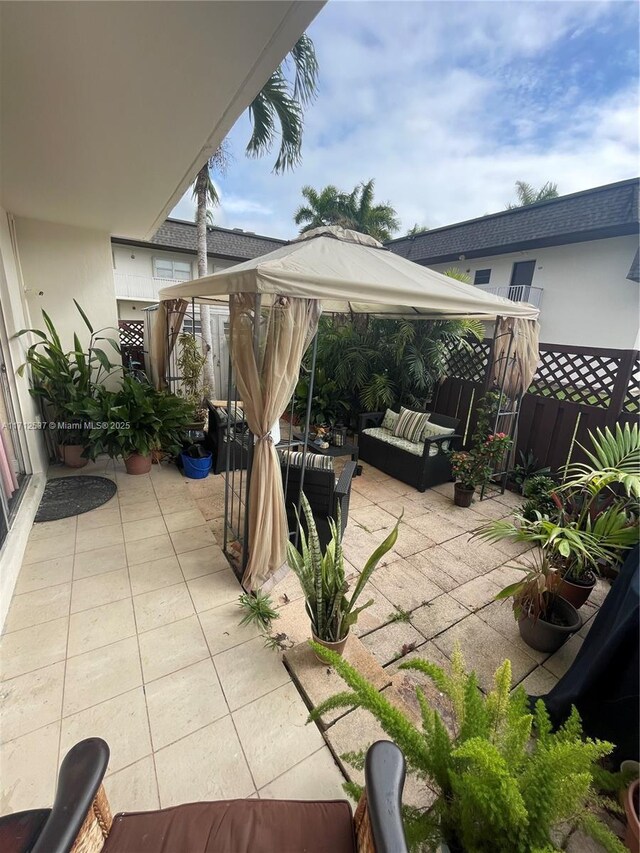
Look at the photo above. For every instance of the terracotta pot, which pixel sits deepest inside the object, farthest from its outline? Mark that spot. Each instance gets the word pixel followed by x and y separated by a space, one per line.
pixel 138 464
pixel 338 647
pixel 72 455
pixel 462 496
pixel 576 593
pixel 632 836
pixel 545 636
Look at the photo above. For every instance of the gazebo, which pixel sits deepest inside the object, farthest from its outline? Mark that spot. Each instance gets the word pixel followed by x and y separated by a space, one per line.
pixel 275 302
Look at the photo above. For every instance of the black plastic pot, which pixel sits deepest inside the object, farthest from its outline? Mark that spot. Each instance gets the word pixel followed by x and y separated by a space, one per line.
pixel 545 636
pixel 462 496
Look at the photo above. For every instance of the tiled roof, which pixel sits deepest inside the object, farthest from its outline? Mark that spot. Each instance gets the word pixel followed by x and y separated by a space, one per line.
pixel 607 211
pixel 222 242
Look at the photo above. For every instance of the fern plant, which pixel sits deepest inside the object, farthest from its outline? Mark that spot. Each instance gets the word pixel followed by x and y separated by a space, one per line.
pixel 499 789
pixel 322 577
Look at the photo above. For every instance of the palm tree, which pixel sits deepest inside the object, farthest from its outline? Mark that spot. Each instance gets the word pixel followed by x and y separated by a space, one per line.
pixel 360 214
pixel 322 208
pixel 417 229
pixel 277 109
pixel 527 194
pixel 353 210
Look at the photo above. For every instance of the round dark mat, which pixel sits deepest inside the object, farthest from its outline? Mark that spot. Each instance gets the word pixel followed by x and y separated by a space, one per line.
pixel 66 496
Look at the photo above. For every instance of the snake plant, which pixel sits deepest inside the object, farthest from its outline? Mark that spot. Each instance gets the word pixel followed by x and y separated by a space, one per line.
pixel 331 611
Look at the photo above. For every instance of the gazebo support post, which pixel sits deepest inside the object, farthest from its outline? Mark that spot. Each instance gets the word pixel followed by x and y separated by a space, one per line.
pixel 305 435
pixel 246 544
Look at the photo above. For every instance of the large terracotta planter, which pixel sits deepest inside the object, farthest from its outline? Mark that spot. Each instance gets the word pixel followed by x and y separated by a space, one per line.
pixel 72 455
pixel 545 636
pixel 631 800
pixel 138 464
pixel 462 496
pixel 576 593
pixel 337 647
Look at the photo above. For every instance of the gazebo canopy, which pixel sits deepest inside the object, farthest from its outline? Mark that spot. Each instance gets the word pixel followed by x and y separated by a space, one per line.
pixel 351 272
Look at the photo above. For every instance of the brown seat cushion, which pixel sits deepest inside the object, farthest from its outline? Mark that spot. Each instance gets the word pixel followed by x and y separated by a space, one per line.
pixel 237 826
pixel 19 831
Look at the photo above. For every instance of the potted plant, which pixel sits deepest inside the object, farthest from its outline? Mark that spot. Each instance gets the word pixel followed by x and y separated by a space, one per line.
pixel 191 361
pixel 596 516
pixel 498 788
pixel 472 468
pixel 322 578
pixel 135 421
pixel 545 619
pixel 64 381
pixel 632 810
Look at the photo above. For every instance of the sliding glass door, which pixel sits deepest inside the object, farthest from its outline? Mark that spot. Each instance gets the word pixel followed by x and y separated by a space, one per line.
pixel 13 467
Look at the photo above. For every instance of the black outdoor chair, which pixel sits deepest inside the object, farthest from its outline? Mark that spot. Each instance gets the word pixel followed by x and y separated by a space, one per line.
pixel 430 469
pixel 324 493
pixel 218 436
pixel 80 819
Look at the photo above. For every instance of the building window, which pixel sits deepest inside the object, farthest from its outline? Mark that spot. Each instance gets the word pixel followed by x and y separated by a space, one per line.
pixel 482 277
pixel 190 327
pixel 174 270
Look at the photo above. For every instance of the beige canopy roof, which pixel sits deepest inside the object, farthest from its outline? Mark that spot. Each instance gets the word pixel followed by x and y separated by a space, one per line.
pixel 351 272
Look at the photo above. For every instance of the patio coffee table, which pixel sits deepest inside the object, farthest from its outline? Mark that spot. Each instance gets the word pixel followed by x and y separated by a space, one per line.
pixel 334 451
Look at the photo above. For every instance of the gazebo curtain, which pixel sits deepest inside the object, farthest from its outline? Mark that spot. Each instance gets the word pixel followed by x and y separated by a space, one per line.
pixel 515 360
pixel 166 322
pixel 267 363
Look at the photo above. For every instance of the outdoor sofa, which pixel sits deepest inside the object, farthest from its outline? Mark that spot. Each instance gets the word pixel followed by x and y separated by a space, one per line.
pixel 423 463
pixel 81 821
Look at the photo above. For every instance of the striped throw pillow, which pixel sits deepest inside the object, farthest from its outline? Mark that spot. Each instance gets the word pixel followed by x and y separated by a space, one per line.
pixel 410 425
pixel 315 461
pixel 390 419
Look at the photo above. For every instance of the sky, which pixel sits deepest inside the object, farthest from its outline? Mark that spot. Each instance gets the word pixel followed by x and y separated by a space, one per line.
pixel 446 104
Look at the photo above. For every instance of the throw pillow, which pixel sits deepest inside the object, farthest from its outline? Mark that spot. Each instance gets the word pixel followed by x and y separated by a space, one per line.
pixel 410 425
pixel 315 461
pixel 434 431
pixel 390 419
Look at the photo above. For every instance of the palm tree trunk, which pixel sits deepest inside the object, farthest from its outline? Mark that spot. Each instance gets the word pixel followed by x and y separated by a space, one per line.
pixel 205 316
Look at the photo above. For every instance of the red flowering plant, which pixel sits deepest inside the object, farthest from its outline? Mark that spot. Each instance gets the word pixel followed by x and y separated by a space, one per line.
pixel 474 467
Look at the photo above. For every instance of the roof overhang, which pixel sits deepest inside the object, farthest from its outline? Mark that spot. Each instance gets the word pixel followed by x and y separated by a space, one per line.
pixel 109 109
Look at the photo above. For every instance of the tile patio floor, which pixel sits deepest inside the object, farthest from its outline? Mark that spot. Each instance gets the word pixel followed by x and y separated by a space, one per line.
pixel 124 625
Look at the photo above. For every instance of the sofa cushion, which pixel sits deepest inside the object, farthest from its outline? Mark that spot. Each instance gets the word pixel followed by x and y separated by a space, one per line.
pixel 315 461
pixel 390 419
pixel 416 448
pixel 410 425
pixel 236 826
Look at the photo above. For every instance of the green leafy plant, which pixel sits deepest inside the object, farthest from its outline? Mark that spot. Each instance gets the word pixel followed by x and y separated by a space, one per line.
pixel 327 405
pixel 258 610
pixel 540 492
pixel 65 380
pixel 498 790
pixel 596 517
pixel 190 363
pixel 136 419
pixel 527 468
pixel 322 577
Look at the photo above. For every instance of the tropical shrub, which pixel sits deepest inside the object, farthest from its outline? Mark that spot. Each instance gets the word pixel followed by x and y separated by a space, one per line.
pixel 499 790
pixel 474 467
pixel 190 363
pixel 596 520
pixel 378 364
pixel 541 498
pixel 322 577
pixel 64 380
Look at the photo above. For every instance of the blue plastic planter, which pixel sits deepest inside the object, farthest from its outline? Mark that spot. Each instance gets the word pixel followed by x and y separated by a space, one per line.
pixel 196 469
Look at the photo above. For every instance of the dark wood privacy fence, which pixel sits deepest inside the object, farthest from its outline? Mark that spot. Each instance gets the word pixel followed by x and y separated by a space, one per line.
pixel 132 341
pixel 575 390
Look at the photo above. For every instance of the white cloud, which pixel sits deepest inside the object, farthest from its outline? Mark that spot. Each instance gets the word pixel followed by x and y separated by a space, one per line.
pixel 446 105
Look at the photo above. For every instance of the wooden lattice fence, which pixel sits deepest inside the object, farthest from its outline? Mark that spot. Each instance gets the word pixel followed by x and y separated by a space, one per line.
pixel 132 342
pixel 575 390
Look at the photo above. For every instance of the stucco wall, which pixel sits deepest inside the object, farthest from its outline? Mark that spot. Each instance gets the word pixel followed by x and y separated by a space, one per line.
pixel 587 299
pixel 60 263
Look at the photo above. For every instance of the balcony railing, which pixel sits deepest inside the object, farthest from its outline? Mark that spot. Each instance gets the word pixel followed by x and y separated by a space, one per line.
pixel 139 286
pixel 515 292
